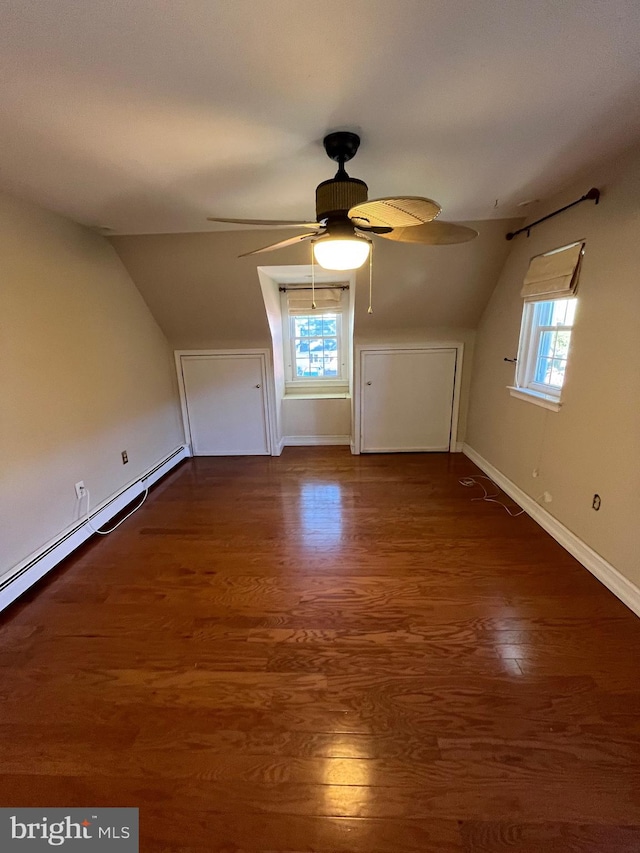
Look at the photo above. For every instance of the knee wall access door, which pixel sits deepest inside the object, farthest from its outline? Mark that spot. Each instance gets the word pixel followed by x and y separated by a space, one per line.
pixel 407 399
pixel 224 399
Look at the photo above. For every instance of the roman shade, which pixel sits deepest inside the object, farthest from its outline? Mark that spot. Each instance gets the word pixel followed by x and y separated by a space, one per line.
pixel 326 299
pixel 553 274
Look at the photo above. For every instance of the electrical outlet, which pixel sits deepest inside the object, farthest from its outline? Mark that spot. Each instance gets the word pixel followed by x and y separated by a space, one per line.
pixel 547 498
pixel 535 473
pixel 80 490
pixel 596 503
pixel 125 457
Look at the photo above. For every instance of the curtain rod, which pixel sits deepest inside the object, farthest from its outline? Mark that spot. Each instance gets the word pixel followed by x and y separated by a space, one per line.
pixel 317 287
pixel 592 195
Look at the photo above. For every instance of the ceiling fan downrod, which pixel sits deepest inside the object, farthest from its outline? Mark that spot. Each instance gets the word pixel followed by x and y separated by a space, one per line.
pixel 335 197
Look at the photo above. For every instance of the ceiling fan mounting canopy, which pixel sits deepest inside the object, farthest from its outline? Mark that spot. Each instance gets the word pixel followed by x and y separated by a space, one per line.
pixel 341 146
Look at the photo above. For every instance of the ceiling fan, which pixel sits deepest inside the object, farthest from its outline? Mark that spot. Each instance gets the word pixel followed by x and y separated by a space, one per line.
pixel 345 218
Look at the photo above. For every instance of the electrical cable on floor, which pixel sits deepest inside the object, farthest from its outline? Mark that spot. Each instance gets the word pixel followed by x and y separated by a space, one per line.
pixel 475 481
pixel 115 526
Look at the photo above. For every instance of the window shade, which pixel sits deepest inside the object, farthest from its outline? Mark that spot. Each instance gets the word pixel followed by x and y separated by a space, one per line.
pixel 553 274
pixel 299 302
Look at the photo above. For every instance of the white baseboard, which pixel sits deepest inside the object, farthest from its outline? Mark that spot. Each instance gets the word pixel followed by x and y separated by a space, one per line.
pixel 313 440
pixel 607 574
pixel 22 576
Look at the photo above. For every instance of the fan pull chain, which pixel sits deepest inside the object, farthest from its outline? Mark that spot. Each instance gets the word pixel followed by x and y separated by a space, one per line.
pixel 313 281
pixel 370 309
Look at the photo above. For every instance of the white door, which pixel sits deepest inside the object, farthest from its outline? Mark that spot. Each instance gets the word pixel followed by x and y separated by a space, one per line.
pixel 226 404
pixel 407 399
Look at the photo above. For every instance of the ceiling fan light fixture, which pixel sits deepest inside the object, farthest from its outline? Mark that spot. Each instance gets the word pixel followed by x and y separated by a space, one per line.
pixel 341 253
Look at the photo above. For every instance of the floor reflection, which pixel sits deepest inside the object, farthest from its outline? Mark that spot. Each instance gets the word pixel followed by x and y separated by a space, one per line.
pixel 321 515
pixel 347 776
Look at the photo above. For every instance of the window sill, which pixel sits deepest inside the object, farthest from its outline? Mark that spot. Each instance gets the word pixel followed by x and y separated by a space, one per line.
pixel 538 399
pixel 327 394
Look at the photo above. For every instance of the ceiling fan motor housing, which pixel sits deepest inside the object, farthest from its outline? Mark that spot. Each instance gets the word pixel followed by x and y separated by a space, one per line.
pixel 334 198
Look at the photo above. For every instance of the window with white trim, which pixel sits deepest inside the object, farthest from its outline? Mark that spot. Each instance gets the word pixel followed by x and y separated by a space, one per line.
pixel 315 346
pixel 546 336
pixel 547 324
pixel 314 338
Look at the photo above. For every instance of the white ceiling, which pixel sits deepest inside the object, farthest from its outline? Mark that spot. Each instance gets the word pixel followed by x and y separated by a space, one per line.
pixel 146 115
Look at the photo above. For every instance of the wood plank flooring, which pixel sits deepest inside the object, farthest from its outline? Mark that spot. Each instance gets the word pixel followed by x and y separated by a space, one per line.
pixel 328 653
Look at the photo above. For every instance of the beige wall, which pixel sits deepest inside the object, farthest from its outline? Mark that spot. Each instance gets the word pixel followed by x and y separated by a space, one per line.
pixel 201 293
pixel 316 417
pixel 593 444
pixel 85 373
pixel 204 296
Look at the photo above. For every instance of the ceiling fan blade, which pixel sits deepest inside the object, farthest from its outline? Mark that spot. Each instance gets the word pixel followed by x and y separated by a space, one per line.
pixel 372 229
pixel 276 223
pixel 432 234
pixel 291 241
pixel 400 212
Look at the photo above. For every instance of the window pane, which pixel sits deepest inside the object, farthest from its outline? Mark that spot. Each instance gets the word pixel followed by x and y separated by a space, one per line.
pixel 563 312
pixel 302 367
pixel 562 344
pixel 547 341
pixel 315 325
pixel 330 345
pixel 557 372
pixel 329 325
pixel 543 370
pixel 331 367
pixel 543 313
pixel 300 327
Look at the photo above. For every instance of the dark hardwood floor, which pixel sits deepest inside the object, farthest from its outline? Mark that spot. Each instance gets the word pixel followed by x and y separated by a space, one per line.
pixel 328 653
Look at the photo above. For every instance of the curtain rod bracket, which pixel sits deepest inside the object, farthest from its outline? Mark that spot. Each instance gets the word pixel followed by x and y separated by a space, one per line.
pixel 592 195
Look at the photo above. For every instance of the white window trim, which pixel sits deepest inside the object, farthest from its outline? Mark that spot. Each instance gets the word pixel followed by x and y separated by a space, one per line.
pixel 547 396
pixel 535 397
pixel 322 387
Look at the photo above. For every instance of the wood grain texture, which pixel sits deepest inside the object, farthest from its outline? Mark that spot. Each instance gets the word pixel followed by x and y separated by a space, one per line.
pixel 328 653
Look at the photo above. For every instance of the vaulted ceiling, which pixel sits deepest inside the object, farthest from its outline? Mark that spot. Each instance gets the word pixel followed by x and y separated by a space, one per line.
pixel 146 116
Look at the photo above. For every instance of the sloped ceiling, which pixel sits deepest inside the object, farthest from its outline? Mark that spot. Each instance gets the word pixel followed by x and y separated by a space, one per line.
pixel 146 116
pixel 204 296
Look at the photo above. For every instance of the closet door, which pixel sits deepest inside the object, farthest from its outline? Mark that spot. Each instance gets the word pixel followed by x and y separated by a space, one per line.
pixel 225 399
pixel 407 399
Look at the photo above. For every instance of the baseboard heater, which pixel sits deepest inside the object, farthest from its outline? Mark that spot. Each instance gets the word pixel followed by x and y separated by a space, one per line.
pixel 26 574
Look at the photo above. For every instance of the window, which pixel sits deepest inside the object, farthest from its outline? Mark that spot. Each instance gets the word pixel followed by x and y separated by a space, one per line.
pixel 544 347
pixel 547 324
pixel 315 351
pixel 315 344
